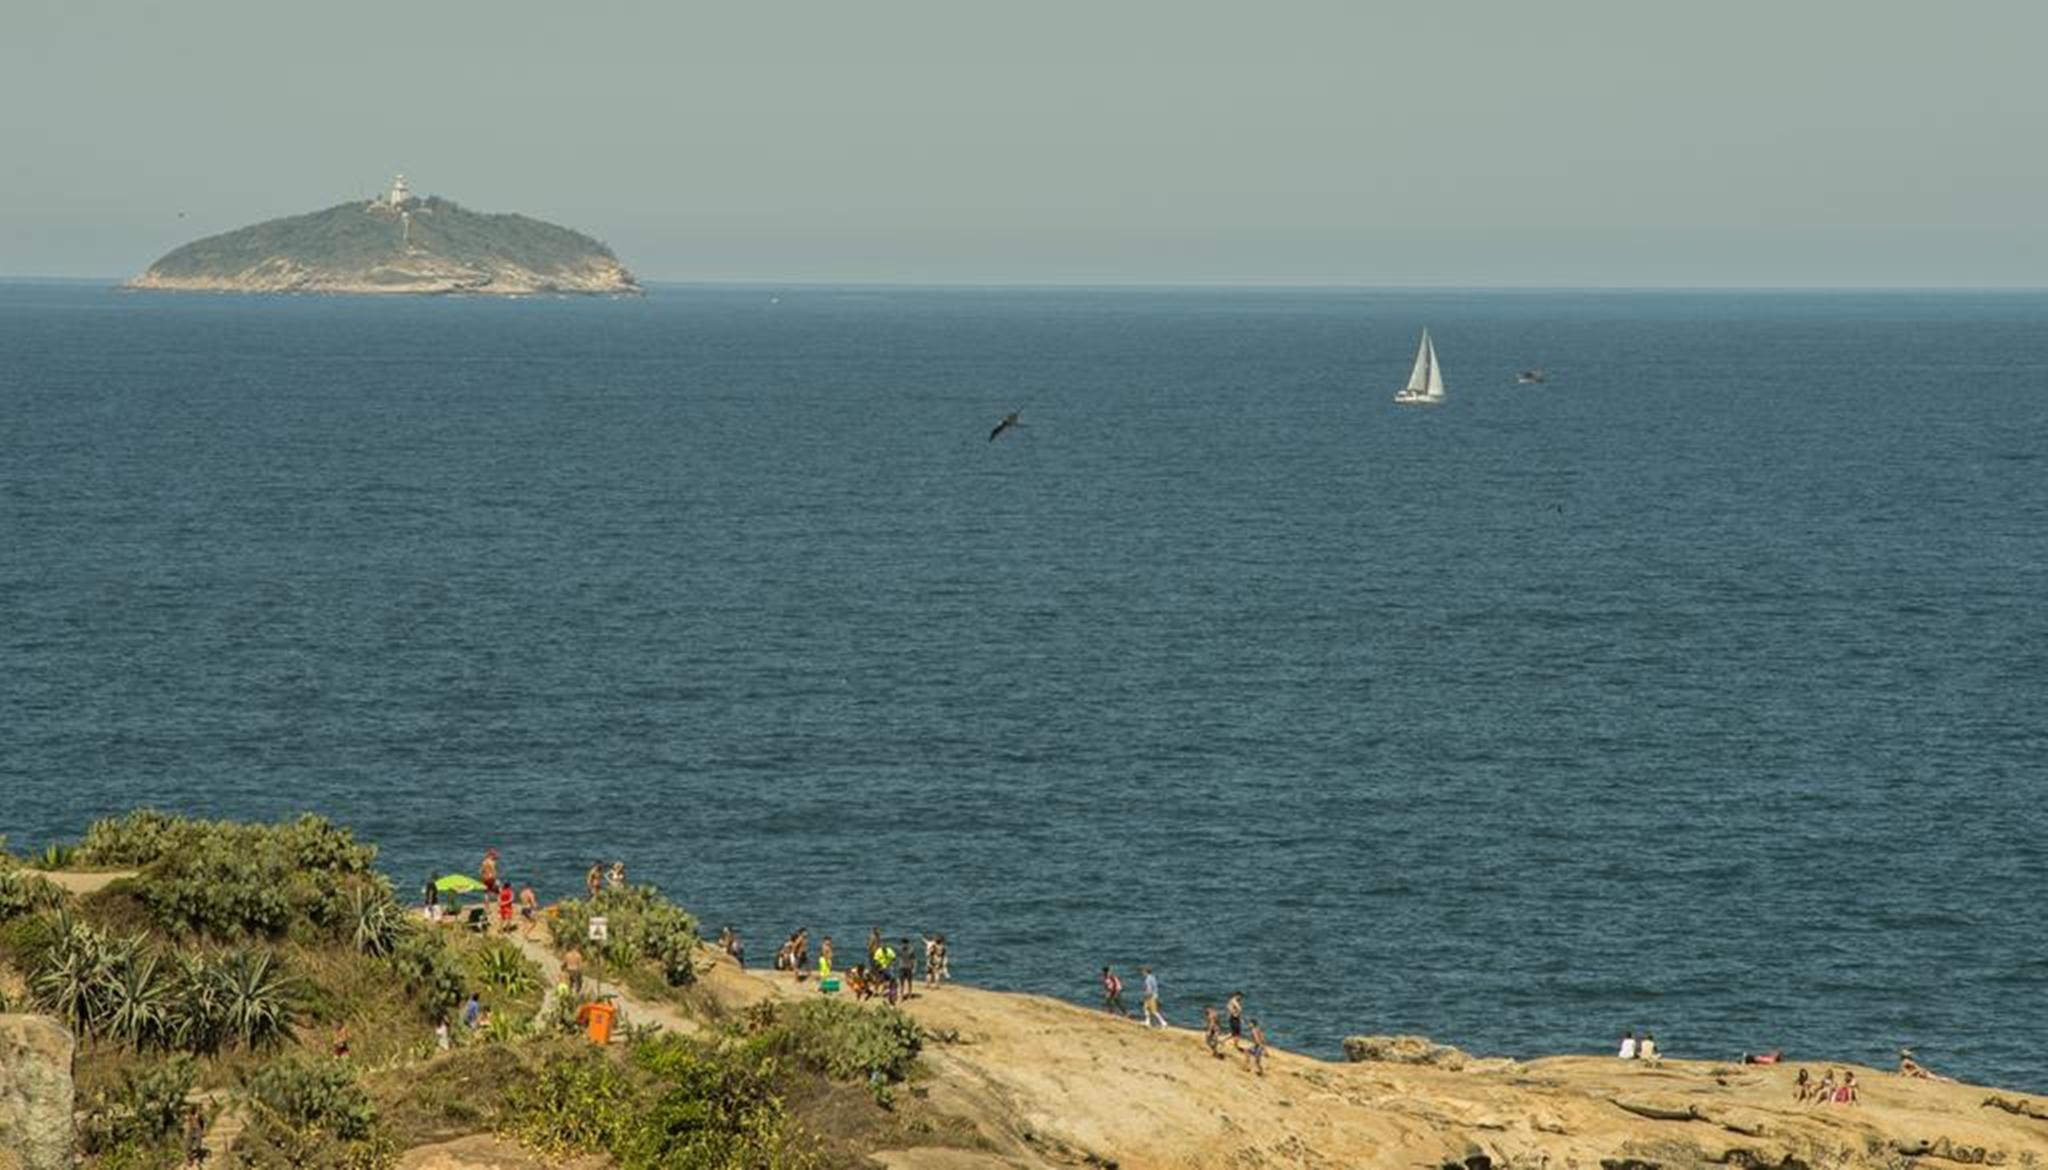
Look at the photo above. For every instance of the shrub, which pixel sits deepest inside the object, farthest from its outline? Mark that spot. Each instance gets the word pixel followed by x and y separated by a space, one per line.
pixel 848 1041
pixel 228 879
pixel 374 918
pixel 431 974
pixel 25 893
pixel 643 927
pixel 579 1103
pixel 312 1116
pixel 256 998
pixel 711 1109
pixel 138 1120
pixel 500 965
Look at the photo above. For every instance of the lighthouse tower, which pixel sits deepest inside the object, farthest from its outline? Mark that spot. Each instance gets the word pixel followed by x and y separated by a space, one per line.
pixel 400 193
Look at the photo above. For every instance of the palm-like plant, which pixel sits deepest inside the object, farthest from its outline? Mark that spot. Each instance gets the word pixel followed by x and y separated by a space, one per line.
pixel 195 1022
pixel 256 998
pixel 375 919
pixel 70 976
pixel 501 965
pixel 135 1006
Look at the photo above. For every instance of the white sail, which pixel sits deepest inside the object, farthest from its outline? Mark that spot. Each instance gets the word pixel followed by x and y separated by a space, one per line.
pixel 1426 380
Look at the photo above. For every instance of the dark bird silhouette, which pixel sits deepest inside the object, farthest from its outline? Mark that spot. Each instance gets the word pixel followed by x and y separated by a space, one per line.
pixel 1004 427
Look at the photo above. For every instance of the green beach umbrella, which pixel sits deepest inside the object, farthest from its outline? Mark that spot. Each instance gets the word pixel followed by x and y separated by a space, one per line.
pixel 458 883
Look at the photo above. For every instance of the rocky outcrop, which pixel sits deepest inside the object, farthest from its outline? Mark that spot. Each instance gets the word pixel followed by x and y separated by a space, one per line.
pixel 35 1094
pixel 1404 1050
pixel 486 1152
pixel 418 246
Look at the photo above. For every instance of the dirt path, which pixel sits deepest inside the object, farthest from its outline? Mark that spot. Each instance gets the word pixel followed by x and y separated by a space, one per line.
pixel 81 882
pixel 632 1010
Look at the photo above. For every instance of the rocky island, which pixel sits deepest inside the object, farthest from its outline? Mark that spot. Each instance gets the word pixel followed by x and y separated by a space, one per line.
pixel 396 243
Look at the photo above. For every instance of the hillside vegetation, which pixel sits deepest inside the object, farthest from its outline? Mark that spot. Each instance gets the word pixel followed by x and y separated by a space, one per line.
pixel 266 977
pixel 436 246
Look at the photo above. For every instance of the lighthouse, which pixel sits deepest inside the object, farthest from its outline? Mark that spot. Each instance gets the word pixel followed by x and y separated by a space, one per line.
pixel 400 193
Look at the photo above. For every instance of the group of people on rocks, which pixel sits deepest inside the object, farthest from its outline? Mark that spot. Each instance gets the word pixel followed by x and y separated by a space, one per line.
pixel 888 971
pixel 1633 1049
pixel 1212 1023
pixel 498 896
pixel 1829 1090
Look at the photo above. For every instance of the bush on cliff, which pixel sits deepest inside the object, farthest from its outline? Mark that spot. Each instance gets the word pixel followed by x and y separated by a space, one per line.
pixel 674 1104
pixel 644 928
pixel 224 879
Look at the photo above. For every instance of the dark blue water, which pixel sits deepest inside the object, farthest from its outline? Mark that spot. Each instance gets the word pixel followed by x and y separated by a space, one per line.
pixel 1700 690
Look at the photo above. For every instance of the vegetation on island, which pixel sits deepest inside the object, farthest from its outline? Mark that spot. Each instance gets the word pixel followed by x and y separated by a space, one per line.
pixel 375 245
pixel 266 977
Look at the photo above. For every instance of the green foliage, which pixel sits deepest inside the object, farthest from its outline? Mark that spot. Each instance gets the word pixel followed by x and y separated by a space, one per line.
pixel 374 918
pixel 710 1109
pixel 577 1103
pixel 679 1106
pixel 137 1000
pixel 121 989
pixel 351 237
pixel 54 857
pixel 643 927
pixel 848 1041
pixel 255 998
pixel 228 879
pixel 25 893
pixel 143 1112
pixel 433 976
pixel 309 1115
pixel 500 965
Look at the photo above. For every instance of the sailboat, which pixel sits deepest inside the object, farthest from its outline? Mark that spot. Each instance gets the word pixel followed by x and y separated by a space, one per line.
pixel 1426 380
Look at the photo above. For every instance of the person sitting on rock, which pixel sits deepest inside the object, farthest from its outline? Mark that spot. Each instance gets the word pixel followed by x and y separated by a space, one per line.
pixel 1628 1046
pixel 1647 1050
pixel 1845 1093
pixel 1908 1067
pixel 1802 1088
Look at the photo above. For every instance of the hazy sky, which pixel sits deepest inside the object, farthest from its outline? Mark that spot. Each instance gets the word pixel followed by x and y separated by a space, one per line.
pixel 1427 142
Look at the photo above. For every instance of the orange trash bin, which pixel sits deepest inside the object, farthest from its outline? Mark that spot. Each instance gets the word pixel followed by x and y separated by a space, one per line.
pixel 596 1019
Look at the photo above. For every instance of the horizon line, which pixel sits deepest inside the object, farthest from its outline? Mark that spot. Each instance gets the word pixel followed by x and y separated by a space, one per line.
pixel 115 282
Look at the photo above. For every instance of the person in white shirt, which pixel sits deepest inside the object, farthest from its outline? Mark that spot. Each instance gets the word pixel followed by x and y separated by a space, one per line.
pixel 1647 1050
pixel 1628 1045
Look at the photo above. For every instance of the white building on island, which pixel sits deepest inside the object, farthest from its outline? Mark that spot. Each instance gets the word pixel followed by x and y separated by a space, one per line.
pixel 400 193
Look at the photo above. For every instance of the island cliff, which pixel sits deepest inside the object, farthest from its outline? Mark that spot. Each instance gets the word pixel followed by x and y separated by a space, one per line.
pixel 395 244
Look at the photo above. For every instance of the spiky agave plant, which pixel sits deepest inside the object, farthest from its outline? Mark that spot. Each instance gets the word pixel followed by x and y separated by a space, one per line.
pixel 374 918
pixel 258 1007
pixel 196 1021
pixel 136 998
pixel 501 965
pixel 70 977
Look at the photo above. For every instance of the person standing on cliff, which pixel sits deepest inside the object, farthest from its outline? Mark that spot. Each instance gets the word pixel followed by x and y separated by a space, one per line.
pixel 1257 1052
pixel 1236 1011
pixel 1152 1011
pixel 594 880
pixel 488 873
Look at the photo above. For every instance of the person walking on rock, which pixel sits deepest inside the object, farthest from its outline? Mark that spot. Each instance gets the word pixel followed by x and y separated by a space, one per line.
pixel 1236 1010
pixel 1113 993
pixel 1152 1012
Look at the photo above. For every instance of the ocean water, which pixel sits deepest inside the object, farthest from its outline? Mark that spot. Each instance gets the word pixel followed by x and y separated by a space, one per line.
pixel 1701 690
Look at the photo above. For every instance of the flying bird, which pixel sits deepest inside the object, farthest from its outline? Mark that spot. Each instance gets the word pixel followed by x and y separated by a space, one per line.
pixel 1004 427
